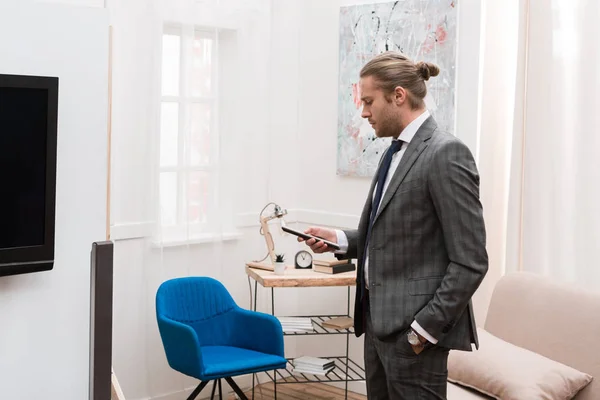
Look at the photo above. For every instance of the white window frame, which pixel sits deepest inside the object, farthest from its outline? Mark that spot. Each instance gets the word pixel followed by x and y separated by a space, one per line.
pixel 183 231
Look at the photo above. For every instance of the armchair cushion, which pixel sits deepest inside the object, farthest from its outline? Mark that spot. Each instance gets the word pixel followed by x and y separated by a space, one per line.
pixel 231 361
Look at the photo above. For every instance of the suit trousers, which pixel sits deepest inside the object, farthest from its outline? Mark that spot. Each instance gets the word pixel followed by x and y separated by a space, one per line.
pixel 395 372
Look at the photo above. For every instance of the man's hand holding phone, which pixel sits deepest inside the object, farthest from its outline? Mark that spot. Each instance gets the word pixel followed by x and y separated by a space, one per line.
pixel 318 246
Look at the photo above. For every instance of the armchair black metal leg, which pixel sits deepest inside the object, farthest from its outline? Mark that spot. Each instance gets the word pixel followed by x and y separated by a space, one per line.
pixel 212 395
pixel 275 383
pixel 197 391
pixel 236 389
pixel 220 390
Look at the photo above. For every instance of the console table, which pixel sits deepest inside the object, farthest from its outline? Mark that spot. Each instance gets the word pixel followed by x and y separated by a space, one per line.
pixel 346 370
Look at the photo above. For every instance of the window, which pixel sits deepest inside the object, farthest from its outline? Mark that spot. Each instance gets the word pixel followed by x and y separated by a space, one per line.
pixel 188 148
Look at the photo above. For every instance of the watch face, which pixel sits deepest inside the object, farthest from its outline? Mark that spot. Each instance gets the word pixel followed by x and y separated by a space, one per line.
pixel 413 338
pixel 303 259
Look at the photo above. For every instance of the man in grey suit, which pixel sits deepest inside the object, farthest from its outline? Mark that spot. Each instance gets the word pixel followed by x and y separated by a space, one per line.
pixel 420 243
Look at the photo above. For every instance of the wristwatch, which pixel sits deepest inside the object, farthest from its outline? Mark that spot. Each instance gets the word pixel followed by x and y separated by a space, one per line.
pixel 413 338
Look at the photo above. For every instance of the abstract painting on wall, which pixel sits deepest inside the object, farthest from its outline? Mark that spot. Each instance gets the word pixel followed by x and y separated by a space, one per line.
pixel 424 30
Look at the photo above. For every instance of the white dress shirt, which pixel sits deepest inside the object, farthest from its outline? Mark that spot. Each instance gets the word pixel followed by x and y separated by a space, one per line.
pixel 406 136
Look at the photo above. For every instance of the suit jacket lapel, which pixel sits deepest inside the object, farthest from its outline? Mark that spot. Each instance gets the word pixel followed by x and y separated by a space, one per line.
pixel 413 151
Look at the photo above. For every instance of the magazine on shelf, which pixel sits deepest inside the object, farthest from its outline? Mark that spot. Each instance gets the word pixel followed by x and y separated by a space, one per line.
pixel 312 365
pixel 303 370
pixel 316 362
pixel 296 324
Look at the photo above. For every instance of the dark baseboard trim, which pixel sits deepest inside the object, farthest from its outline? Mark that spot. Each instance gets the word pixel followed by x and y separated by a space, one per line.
pixel 101 317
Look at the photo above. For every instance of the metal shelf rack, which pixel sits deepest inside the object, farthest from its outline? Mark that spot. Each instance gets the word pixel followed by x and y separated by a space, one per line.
pixel 337 374
pixel 320 329
pixel 345 370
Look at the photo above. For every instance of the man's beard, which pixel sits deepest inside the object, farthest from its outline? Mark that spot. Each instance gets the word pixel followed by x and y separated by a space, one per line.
pixel 387 130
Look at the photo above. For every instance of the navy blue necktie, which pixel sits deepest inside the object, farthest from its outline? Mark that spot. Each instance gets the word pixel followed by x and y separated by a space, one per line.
pixel 383 171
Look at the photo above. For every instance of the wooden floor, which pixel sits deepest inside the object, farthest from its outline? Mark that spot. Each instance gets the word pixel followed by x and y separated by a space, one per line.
pixel 304 391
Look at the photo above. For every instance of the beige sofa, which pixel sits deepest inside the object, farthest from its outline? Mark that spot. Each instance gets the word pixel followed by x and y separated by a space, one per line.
pixel 555 320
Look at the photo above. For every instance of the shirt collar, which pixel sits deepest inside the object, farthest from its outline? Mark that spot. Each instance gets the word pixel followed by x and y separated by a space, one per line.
pixel 411 129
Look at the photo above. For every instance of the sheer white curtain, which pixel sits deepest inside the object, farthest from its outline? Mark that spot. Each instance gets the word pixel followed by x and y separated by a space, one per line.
pixel 199 61
pixel 502 32
pixel 561 167
pixel 539 141
pixel 189 88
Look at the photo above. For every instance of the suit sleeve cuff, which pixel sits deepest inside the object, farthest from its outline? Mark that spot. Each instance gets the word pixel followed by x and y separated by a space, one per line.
pixel 342 240
pixel 417 328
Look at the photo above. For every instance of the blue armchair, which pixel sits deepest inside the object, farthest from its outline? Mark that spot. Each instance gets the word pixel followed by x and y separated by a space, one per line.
pixel 206 335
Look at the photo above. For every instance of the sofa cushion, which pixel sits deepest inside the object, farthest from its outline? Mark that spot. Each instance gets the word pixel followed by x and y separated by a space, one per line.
pixel 457 392
pixel 508 372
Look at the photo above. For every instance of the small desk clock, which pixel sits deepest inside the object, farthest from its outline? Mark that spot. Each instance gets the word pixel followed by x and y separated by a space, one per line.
pixel 303 260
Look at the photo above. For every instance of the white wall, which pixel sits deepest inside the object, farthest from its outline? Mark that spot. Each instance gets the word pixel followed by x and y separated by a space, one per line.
pixel 44 340
pixel 318 102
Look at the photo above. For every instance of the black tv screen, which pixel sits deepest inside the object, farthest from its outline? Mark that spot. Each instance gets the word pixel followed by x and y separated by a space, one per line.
pixel 28 136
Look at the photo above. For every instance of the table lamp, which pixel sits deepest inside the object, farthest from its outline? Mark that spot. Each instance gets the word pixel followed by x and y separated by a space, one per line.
pixel 277 212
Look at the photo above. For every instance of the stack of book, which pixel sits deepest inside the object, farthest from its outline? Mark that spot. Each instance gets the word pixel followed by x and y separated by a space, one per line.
pixel 296 324
pixel 333 266
pixel 338 323
pixel 312 365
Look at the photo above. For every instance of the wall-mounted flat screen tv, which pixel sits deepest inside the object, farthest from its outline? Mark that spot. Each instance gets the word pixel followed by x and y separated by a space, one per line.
pixel 28 136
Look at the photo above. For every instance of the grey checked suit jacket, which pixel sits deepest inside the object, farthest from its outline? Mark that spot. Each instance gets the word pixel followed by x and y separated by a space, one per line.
pixel 427 252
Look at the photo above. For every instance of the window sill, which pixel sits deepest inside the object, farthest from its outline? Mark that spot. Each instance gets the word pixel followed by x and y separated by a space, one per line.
pixel 197 239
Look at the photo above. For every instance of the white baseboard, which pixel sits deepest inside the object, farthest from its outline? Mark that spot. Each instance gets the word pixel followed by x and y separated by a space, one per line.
pixel 244 382
pixel 183 394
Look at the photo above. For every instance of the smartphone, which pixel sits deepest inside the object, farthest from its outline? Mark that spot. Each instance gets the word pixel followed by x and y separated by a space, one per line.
pixel 306 236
